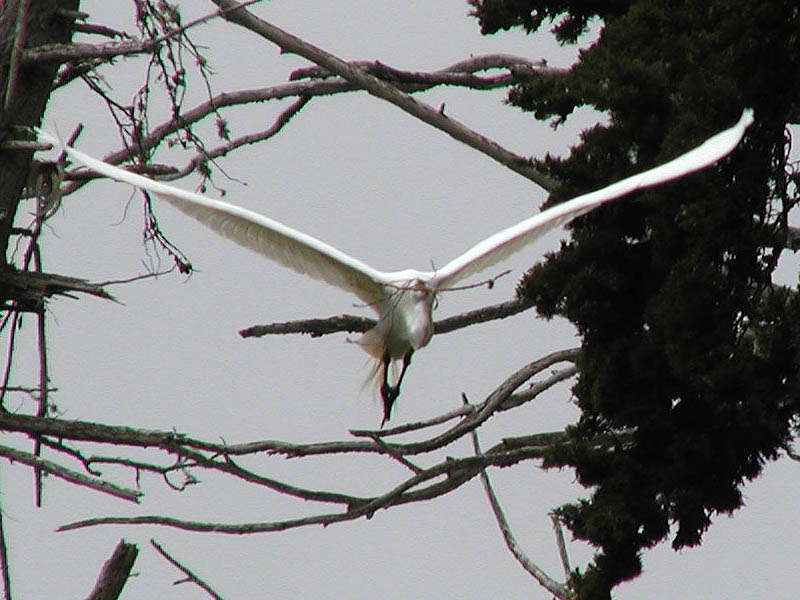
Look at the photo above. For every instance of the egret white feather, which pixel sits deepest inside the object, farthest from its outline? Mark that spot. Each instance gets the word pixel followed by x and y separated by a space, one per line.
pixel 403 299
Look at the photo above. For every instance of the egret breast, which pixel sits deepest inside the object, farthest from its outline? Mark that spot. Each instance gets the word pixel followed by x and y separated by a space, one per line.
pixel 404 322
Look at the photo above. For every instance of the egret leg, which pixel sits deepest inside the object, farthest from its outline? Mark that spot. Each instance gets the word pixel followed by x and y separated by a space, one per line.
pixel 406 362
pixel 389 393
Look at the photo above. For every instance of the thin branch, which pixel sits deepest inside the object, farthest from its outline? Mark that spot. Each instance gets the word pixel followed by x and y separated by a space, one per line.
pixel 190 576
pixel 77 51
pixel 71 476
pixel 376 437
pixel 457 471
pixel 461 74
pixel 31 288
pixel 44 379
pixel 280 122
pixel 535 440
pixel 485 314
pixel 557 589
pixel 426 113
pixel 227 99
pixel 134 278
pixel 456 413
pixel 497 61
pixel 73 51
pixel 12 336
pixel 229 466
pixel 469 65
pixel 312 327
pixel 61 447
pixel 356 324
pixel 139 466
pixel 177 442
pixel 95 29
pixel 23 145
pixel 4 558
pixel 412 82
pixel 562 545
pixel 33 392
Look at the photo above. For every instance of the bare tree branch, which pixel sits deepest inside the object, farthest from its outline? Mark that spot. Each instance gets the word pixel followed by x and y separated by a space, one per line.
pixel 17 51
pixel 95 29
pixel 44 379
pixel 71 476
pixel 457 471
pixel 411 82
pixel 29 288
pixel 115 572
pixel 80 51
pixel 4 558
pixel 190 576
pixel 178 443
pixel 356 324
pixel 535 389
pixel 424 112
pixel 559 590
pixel 253 138
pixel 460 74
pixel 562 545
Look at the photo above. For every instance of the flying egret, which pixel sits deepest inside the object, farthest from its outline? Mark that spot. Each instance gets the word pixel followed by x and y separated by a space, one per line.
pixel 403 299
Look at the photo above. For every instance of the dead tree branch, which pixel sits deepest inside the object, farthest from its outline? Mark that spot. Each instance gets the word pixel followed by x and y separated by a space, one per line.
pixel 410 82
pixel 559 590
pixel 115 572
pixel 373 85
pixel 355 324
pixel 175 443
pixel 57 470
pixel 61 53
pixel 191 454
pixel 190 576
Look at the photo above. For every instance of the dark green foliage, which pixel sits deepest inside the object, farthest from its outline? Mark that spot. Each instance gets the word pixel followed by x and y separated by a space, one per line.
pixel 690 354
pixel 505 14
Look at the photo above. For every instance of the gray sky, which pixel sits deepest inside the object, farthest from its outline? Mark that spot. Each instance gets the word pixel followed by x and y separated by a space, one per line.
pixel 377 184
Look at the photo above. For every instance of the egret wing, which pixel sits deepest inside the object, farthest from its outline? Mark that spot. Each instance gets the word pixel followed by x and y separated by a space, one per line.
pixel 286 246
pixel 513 239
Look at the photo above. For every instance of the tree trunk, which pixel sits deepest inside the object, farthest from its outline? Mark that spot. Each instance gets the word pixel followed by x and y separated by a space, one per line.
pixel 25 88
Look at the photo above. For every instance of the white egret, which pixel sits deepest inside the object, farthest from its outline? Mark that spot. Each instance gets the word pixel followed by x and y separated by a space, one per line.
pixel 403 299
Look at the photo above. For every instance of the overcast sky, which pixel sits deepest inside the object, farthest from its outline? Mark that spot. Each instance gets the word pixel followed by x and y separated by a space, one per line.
pixel 376 183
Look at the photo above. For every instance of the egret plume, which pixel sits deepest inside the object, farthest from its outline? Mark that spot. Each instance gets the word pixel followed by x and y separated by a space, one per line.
pixel 403 300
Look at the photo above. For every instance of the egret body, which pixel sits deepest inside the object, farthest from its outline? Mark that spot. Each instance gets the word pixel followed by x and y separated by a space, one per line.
pixel 403 300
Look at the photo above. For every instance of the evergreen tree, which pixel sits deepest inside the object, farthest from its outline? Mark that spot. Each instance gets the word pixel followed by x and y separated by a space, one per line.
pixel 690 353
